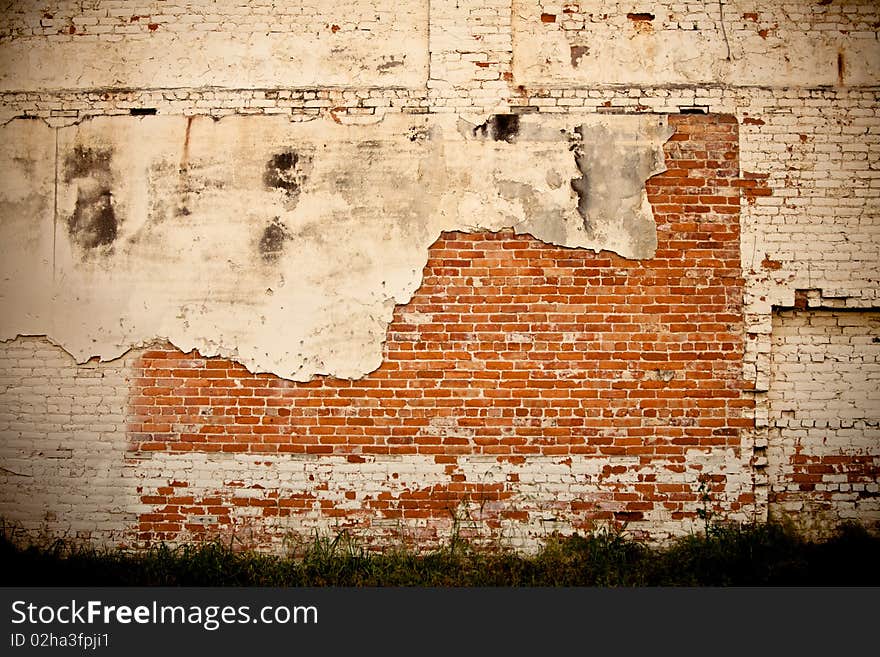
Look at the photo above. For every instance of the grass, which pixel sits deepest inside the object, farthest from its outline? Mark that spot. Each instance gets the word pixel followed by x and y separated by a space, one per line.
pixel 767 554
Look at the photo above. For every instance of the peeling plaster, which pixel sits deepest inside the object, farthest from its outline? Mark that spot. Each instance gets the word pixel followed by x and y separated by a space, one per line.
pixel 286 246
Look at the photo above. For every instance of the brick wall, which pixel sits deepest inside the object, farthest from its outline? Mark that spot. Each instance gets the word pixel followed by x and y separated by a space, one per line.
pixel 525 388
pixel 63 448
pixel 471 52
pixel 807 235
pixel 824 452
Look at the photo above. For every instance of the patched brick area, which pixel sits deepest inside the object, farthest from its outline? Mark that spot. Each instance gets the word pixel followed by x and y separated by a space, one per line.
pixel 525 388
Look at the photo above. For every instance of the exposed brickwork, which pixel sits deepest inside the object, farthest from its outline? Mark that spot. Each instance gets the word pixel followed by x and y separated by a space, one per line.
pixel 510 350
pixel 819 214
pixel 300 104
pixel 813 225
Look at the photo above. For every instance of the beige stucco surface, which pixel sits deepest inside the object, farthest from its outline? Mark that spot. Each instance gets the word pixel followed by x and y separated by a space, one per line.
pixel 286 246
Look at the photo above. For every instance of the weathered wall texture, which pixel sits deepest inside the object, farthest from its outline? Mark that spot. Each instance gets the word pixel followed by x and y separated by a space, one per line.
pixel 824 451
pixel 169 227
pixel 720 341
pixel 526 388
pixel 102 44
pixel 737 43
pixel 63 455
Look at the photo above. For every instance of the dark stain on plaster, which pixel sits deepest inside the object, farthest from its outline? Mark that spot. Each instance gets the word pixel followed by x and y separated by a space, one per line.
pixel 281 172
pixel 611 184
pixel 93 222
pixel 86 162
pixel 499 127
pixel 417 134
pixel 577 52
pixel 581 184
pixel 184 182
pixel 287 171
pixel 841 68
pixel 388 63
pixel 272 241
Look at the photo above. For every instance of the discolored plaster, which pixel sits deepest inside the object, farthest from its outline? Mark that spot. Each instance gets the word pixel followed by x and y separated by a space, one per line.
pixel 287 246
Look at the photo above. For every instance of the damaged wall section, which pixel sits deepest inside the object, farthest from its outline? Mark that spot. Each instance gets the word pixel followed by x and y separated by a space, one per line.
pixel 169 227
pixel 526 388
